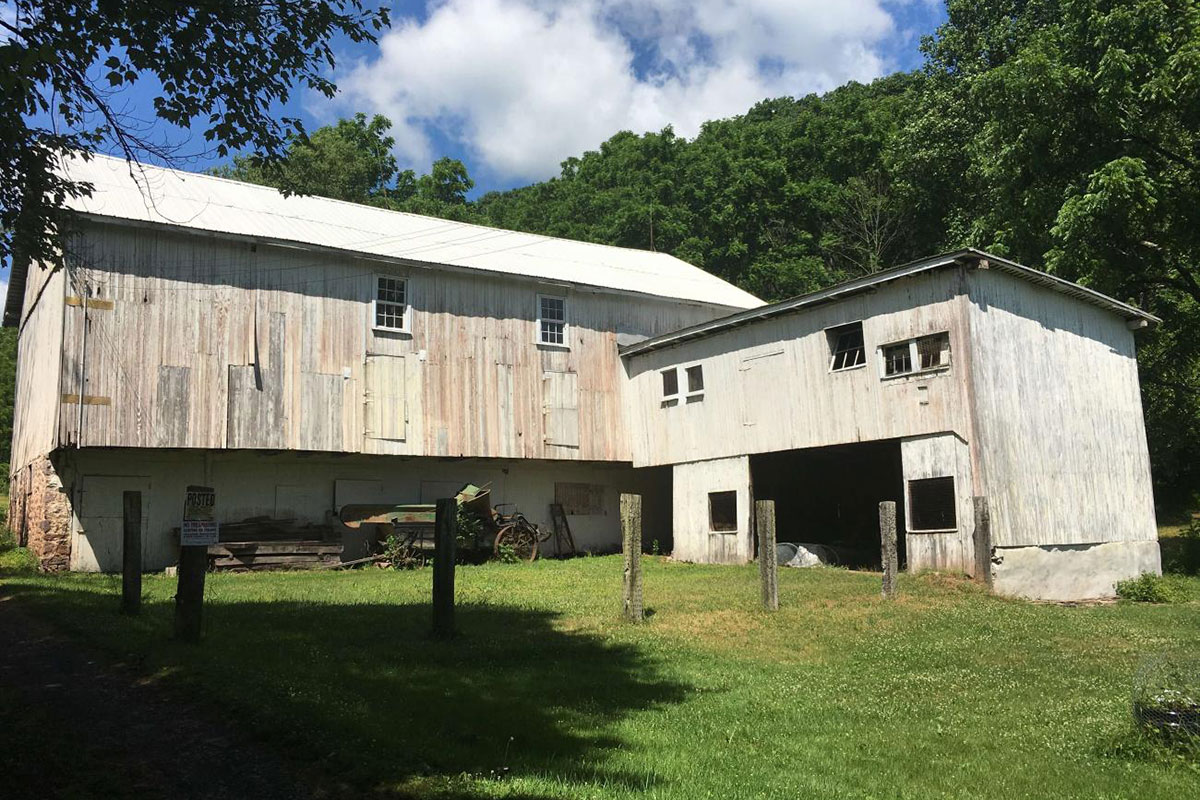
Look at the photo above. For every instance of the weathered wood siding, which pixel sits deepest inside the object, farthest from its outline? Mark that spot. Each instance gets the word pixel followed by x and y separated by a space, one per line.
pixel 1062 441
pixel 940 456
pixel 204 342
pixel 695 540
pixel 769 387
pixel 37 400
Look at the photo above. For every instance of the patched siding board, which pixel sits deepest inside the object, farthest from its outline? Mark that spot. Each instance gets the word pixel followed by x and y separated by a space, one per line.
pixel 172 406
pixel 561 399
pixel 256 410
pixel 384 398
pixel 580 499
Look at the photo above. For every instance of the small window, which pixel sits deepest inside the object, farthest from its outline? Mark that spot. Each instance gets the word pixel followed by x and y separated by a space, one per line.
pixel 552 320
pixel 931 504
pixel 391 303
pixel 846 347
pixel 933 352
pixel 722 511
pixel 695 382
pixel 897 359
pixel 670 379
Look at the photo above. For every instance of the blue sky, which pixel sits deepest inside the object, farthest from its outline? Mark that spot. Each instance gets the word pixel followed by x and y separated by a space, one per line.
pixel 513 87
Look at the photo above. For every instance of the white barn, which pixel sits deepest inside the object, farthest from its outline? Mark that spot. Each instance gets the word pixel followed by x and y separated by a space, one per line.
pixel 299 354
pixel 959 382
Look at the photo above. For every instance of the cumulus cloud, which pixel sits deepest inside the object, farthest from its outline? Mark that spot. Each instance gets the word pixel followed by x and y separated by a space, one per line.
pixel 522 84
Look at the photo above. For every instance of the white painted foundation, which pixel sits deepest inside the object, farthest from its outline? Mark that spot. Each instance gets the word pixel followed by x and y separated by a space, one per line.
pixel 1071 572
pixel 694 538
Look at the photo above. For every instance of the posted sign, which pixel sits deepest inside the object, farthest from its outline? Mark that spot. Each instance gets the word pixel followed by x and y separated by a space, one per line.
pixel 199 517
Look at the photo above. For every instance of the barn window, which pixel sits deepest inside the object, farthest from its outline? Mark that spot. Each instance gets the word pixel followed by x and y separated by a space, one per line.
pixel 931 504
pixel 933 352
pixel 552 320
pixel 392 311
pixel 695 383
pixel 722 511
pixel 670 379
pixel 846 347
pixel 897 359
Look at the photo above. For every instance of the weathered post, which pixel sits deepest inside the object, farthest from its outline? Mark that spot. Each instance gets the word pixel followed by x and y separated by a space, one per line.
pixel 444 544
pixel 983 540
pixel 887 536
pixel 189 595
pixel 199 530
pixel 768 564
pixel 131 554
pixel 631 545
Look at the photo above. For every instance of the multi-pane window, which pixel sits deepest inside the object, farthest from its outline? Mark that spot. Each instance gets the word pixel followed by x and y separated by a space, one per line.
pixel 552 320
pixel 931 504
pixel 897 359
pixel 917 355
pixel 391 303
pixel 846 346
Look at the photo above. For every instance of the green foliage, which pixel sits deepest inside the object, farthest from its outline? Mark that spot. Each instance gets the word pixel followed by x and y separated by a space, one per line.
pixel 1146 588
pixel 223 64
pixel 8 378
pixel 507 554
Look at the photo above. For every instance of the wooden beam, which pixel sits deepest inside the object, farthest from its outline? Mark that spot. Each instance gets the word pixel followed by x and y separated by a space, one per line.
pixel 768 565
pixel 983 540
pixel 631 546
pixel 444 532
pixel 887 536
pixel 131 554
pixel 189 595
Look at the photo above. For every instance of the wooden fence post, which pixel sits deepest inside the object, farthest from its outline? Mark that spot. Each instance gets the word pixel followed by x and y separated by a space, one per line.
pixel 887 536
pixel 189 594
pixel 131 554
pixel 768 564
pixel 445 530
pixel 983 540
pixel 631 545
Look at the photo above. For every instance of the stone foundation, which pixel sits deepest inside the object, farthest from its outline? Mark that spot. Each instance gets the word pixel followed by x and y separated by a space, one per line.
pixel 39 514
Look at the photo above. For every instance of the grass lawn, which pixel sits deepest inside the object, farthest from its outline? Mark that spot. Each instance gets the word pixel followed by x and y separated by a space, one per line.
pixel 945 692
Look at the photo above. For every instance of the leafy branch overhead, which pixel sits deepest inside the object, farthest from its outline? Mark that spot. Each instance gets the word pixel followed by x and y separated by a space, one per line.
pixel 222 65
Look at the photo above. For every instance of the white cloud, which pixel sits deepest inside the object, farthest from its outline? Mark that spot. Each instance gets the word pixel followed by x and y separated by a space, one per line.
pixel 522 84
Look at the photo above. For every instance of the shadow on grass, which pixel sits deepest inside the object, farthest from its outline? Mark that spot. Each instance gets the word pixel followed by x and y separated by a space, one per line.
pixel 363 691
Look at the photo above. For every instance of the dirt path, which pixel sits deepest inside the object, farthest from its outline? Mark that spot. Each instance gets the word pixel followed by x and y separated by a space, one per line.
pixel 73 726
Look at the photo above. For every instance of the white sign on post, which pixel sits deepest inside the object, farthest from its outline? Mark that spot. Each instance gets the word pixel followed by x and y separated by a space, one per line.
pixel 200 527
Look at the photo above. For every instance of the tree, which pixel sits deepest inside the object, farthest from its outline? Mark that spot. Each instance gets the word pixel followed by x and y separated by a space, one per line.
pixel 222 63
pixel 351 160
pixel 1067 133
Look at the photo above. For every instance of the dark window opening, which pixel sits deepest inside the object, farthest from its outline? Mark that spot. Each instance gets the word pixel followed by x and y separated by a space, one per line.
pixel 695 378
pixel 934 351
pixel 846 347
pixel 897 359
pixel 722 511
pixel 670 378
pixel 931 504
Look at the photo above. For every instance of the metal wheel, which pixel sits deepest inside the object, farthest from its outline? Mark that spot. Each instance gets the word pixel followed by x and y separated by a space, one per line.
pixel 519 535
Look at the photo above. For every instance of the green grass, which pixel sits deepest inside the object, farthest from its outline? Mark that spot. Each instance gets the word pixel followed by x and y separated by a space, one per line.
pixel 946 692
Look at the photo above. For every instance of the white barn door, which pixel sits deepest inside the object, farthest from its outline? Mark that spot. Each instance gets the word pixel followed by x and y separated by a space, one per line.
pixel 383 395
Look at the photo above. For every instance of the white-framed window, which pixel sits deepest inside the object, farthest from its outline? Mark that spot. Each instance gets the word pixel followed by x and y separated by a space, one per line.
pixel 846 347
pixel 552 320
pixel 923 354
pixel 931 505
pixel 695 383
pixel 670 383
pixel 390 309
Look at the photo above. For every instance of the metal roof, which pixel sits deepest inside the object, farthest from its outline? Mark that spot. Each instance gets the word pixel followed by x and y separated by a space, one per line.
pixel 149 194
pixel 867 283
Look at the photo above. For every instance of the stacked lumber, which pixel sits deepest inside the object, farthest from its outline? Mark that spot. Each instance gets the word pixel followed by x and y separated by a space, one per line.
pixel 263 543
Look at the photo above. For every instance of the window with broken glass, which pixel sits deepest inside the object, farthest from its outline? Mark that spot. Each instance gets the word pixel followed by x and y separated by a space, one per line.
pixel 846 347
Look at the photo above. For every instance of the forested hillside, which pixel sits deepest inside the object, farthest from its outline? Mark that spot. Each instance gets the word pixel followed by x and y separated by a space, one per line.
pixel 1061 133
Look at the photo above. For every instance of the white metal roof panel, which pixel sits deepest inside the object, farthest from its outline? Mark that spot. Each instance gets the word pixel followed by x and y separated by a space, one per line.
pixel 202 202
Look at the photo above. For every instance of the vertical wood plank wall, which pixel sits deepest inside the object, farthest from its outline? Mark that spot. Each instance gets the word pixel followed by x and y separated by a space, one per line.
pixel 212 343
pixel 37 401
pixel 768 385
pixel 1062 437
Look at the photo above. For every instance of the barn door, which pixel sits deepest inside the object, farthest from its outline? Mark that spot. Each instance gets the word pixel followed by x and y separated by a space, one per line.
pixel 560 393
pixel 386 415
pixel 96 543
